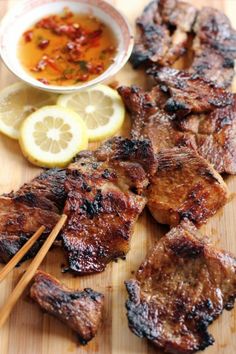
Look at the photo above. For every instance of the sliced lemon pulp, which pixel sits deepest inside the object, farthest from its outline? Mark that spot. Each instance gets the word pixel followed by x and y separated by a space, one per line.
pixel 100 107
pixel 52 136
pixel 17 101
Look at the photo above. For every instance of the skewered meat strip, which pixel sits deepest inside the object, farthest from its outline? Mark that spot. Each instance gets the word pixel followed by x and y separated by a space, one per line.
pixel 183 285
pixel 214 47
pixel 185 186
pixel 36 203
pixel 164 28
pixel 104 200
pixel 80 310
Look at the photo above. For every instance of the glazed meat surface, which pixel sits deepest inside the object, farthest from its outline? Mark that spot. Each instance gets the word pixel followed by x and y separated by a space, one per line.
pixel 214 47
pixel 36 203
pixel 210 131
pixel 163 28
pixel 183 285
pixel 185 186
pixel 80 310
pixel 152 122
pixel 105 197
pixel 189 93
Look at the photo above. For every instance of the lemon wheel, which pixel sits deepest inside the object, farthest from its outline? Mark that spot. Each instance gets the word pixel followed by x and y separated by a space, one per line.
pixel 52 136
pixel 17 101
pixel 100 107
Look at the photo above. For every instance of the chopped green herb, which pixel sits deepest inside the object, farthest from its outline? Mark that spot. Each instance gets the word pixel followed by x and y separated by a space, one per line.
pixel 83 65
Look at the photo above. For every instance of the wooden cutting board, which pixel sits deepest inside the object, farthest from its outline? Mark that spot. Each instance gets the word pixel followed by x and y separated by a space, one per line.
pixel 29 331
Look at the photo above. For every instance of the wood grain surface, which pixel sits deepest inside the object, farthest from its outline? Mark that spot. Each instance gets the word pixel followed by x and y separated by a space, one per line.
pixel 29 331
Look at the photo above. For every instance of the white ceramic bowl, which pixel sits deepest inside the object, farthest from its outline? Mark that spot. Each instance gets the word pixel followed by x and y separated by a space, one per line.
pixel 28 12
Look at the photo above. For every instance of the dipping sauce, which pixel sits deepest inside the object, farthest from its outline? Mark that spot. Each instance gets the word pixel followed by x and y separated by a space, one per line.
pixel 67 49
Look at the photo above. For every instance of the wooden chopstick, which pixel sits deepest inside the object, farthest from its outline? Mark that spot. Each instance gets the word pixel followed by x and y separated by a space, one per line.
pixel 28 275
pixel 19 255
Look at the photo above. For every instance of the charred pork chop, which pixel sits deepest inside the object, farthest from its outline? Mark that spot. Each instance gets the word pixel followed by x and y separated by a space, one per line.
pixel 105 197
pixel 184 93
pixel 185 110
pixel 214 47
pixel 182 286
pixel 36 203
pixel 185 186
pixel 152 122
pixel 211 114
pixel 80 310
pixel 164 29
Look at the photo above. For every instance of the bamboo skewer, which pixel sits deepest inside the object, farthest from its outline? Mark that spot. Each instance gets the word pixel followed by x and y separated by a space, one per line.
pixel 28 275
pixel 19 255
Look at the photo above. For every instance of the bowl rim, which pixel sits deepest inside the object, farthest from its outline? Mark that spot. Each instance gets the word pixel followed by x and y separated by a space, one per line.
pixel 108 73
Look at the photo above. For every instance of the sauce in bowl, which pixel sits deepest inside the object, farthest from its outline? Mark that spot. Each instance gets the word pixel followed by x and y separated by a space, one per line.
pixel 67 49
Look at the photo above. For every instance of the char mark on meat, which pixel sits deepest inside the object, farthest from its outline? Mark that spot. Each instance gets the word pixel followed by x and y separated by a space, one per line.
pixel 214 47
pixel 36 203
pixel 189 93
pixel 80 310
pixel 183 286
pixel 105 197
pixel 164 29
pixel 185 186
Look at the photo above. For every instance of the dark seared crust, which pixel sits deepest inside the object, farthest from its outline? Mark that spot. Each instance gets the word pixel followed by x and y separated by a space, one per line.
pixel 163 27
pixel 80 310
pixel 105 198
pixel 182 286
pixel 36 203
pixel 214 47
pixel 215 136
pixel 211 134
pixel 185 186
pixel 189 93
pixel 151 122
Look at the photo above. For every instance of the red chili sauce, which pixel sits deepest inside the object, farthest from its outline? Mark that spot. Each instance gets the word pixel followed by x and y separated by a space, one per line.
pixel 67 49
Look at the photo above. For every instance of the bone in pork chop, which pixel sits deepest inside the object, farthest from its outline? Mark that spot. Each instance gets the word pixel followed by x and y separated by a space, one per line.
pixel 185 186
pixel 182 286
pixel 80 310
pixel 164 29
pixel 214 47
pixel 36 203
pixel 104 200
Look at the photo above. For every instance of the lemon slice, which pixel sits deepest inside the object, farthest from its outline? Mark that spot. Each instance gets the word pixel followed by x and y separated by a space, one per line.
pixel 17 101
pixel 51 136
pixel 100 107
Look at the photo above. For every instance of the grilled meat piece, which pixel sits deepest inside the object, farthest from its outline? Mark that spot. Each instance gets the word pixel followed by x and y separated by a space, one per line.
pixel 182 286
pixel 211 133
pixel 215 135
pixel 188 93
pixel 36 203
pixel 104 200
pixel 152 122
pixel 185 186
pixel 214 47
pixel 164 28
pixel 80 310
